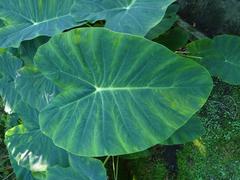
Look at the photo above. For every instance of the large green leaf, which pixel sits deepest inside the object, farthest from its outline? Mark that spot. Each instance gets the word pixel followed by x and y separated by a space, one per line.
pixel 80 169
pixel 33 150
pixel 129 16
pixel 121 93
pixel 8 72
pixel 222 57
pixel 27 19
pixel 192 130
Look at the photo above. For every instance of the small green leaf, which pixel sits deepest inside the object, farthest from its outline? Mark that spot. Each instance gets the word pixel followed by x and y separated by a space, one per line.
pixel 221 56
pixel 131 16
pixel 116 100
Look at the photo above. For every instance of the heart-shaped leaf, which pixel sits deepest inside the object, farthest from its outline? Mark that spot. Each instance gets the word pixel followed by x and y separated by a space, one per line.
pixel 221 56
pixel 27 19
pixel 116 100
pixel 129 16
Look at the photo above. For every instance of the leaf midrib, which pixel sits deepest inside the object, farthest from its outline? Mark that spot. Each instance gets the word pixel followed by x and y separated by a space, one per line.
pixel 112 89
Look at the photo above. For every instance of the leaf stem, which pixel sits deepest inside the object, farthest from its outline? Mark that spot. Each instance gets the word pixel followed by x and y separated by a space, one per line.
pixel 106 160
pixel 187 56
pixel 117 167
pixel 113 167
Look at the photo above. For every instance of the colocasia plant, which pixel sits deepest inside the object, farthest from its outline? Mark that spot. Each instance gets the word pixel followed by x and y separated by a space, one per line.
pixel 90 79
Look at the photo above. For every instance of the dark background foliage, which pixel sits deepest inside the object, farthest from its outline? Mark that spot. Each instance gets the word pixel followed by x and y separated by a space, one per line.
pixel 212 16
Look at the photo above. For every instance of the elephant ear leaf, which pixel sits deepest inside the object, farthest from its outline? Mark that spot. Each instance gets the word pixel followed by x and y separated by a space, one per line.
pixel 28 19
pixel 221 56
pixel 131 16
pixel 115 100
pixel 81 168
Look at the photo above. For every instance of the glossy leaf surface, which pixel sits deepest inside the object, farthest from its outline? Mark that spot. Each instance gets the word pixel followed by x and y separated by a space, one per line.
pixel 129 16
pixel 221 56
pixel 27 19
pixel 116 100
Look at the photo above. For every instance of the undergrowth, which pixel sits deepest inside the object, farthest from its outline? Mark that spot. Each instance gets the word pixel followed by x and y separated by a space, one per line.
pixel 216 155
pixel 6 172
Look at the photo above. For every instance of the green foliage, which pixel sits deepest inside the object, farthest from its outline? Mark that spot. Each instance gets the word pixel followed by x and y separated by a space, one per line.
pixel 123 79
pixel 148 169
pixel 221 56
pixel 129 16
pixel 76 95
pixel 5 166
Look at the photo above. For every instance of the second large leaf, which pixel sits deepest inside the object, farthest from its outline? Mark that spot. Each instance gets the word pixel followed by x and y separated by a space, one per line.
pixel 129 16
pixel 27 19
pixel 121 93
